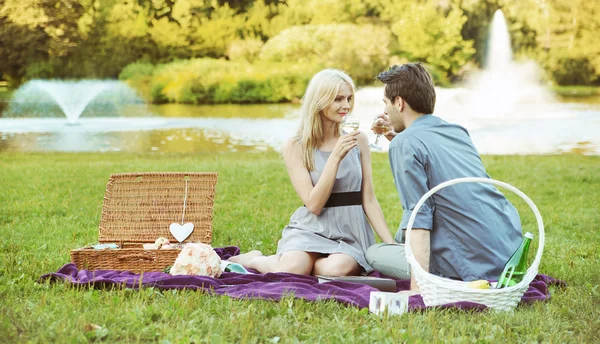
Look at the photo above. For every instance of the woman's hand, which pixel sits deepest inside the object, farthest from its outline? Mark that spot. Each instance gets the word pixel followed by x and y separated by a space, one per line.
pixel 344 144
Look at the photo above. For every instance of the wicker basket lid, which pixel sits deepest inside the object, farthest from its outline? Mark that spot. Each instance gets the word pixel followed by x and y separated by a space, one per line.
pixel 140 207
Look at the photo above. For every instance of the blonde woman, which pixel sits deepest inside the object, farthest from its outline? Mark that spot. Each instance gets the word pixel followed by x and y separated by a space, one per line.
pixel 331 172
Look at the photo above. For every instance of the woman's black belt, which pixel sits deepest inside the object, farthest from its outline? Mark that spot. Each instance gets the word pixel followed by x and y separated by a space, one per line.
pixel 341 199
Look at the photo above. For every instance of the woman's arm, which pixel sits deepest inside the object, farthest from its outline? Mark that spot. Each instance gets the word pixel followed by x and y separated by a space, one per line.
pixel 315 197
pixel 370 204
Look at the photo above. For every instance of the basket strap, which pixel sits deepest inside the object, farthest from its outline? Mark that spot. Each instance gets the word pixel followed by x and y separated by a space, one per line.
pixel 137 256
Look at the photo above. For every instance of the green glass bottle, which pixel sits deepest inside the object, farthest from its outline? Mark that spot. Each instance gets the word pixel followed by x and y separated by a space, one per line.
pixel 515 268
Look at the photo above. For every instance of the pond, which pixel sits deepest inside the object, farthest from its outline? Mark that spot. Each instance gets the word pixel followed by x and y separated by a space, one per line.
pixel 556 126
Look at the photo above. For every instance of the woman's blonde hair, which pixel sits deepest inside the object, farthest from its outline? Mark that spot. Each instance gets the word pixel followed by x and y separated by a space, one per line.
pixel 320 93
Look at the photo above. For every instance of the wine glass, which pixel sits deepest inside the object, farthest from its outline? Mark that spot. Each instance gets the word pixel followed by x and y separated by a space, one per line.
pixel 350 123
pixel 379 128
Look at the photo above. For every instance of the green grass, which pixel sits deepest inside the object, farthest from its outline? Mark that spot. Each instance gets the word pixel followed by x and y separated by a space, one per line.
pixel 50 204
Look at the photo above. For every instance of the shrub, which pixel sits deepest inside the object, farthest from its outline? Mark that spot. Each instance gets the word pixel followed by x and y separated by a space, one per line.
pixel 574 71
pixel 439 77
pixel 430 33
pixel 40 70
pixel 360 50
pixel 209 81
pixel 244 50
pixel 137 70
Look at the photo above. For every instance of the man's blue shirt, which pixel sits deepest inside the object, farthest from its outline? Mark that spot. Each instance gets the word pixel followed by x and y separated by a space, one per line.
pixel 474 228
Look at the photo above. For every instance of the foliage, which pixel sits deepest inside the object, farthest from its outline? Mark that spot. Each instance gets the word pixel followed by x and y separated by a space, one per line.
pixel 576 91
pixel 40 70
pixel 51 203
pixel 362 54
pixel 215 35
pixel 139 76
pixel 137 70
pixel 206 81
pixel 574 71
pixel 567 35
pixel 98 38
pixel 429 33
pixel 18 55
pixel 246 49
pixel 40 37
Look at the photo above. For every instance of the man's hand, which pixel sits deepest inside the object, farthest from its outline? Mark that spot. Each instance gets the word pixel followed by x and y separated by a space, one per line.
pixel 383 126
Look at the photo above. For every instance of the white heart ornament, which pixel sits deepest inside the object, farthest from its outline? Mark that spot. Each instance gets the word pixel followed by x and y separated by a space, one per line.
pixel 181 232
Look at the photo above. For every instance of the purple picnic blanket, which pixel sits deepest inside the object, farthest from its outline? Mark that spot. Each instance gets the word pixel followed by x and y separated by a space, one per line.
pixel 270 286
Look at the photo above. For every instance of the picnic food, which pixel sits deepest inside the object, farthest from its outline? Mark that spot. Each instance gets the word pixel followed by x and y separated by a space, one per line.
pixel 162 241
pixel 479 284
pixel 197 259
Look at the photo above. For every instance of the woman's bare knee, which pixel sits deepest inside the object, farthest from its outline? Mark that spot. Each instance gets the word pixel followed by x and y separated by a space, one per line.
pixel 295 268
pixel 297 262
pixel 336 265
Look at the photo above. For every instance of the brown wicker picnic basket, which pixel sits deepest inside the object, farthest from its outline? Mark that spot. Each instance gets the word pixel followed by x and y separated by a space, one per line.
pixel 138 208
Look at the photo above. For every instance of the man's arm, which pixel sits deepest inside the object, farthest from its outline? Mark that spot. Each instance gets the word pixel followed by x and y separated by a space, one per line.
pixel 409 164
pixel 420 246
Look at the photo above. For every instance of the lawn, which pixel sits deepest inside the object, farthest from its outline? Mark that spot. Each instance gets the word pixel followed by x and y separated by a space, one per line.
pixel 50 204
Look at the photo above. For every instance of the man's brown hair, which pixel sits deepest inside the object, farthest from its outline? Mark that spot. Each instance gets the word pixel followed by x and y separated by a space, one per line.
pixel 412 83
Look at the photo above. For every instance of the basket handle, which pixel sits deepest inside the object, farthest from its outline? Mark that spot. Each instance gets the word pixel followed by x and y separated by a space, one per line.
pixel 538 257
pixel 137 256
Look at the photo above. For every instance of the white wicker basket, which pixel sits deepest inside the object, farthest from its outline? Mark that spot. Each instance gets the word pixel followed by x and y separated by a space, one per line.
pixel 438 290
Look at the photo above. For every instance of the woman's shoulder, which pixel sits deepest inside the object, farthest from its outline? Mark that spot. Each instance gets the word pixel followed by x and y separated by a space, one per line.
pixel 293 141
pixel 291 145
pixel 363 143
pixel 362 137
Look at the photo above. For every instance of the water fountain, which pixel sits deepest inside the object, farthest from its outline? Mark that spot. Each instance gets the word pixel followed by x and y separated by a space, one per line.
pixel 504 88
pixel 57 98
pixel 505 107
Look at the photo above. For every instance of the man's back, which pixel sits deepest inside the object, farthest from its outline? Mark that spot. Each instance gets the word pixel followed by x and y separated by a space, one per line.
pixel 474 227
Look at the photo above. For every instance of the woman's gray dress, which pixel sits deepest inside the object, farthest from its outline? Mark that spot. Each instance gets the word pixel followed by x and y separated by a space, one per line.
pixel 342 229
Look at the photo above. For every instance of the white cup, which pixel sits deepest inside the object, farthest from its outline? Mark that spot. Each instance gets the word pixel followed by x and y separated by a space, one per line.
pixel 392 303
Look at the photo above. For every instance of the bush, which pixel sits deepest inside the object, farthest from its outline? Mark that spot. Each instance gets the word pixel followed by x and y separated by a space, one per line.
pixel 439 77
pixel 360 50
pixel 574 71
pixel 139 76
pixel 244 50
pixel 210 81
pixel 40 70
pixel 430 33
pixel 137 70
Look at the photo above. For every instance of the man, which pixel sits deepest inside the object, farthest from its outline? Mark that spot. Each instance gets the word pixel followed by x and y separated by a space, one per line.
pixel 466 231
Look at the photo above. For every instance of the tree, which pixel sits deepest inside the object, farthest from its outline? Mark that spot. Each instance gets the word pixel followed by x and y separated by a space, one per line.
pixel 428 32
pixel 566 37
pixel 17 54
pixel 361 50
pixel 46 29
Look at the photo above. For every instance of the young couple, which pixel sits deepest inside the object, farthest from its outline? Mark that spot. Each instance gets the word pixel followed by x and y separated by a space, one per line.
pixel 466 231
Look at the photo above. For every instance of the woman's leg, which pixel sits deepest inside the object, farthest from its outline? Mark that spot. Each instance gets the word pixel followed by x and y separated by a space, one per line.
pixel 244 258
pixel 337 264
pixel 297 262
